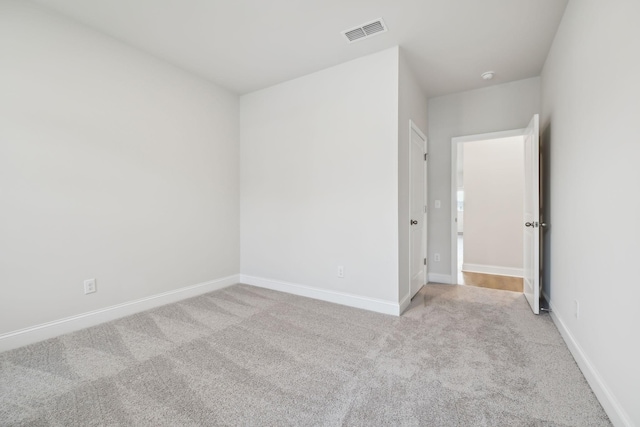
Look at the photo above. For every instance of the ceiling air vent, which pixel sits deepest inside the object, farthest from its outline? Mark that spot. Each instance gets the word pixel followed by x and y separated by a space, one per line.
pixel 365 30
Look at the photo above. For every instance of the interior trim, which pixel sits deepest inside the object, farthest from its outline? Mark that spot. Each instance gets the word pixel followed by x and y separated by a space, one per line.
pixel 58 327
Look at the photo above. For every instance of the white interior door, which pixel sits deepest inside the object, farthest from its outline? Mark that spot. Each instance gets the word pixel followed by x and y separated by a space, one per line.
pixel 418 189
pixel 531 223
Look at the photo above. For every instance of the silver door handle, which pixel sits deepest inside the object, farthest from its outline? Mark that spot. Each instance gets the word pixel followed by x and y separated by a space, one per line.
pixel 528 224
pixel 414 222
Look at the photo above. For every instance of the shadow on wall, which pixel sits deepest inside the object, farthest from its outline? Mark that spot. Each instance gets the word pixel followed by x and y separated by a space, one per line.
pixel 545 209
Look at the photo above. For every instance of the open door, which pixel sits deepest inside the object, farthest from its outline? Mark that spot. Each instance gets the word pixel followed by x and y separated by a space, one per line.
pixel 531 262
pixel 418 191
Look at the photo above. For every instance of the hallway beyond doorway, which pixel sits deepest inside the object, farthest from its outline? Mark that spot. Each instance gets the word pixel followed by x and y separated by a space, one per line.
pixel 493 281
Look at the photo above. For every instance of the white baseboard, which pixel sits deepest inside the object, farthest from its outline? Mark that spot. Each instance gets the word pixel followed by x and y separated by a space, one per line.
pixel 493 269
pixel 405 302
pixel 357 301
pixel 611 406
pixel 440 278
pixel 55 328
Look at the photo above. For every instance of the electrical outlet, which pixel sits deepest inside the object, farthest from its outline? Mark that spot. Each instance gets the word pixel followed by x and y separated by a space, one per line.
pixel 436 257
pixel 341 272
pixel 577 309
pixel 89 286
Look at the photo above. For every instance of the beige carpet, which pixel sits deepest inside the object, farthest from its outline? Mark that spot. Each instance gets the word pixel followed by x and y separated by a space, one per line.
pixel 460 356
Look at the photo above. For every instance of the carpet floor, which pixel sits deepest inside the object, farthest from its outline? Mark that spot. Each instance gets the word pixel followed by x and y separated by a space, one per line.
pixel 459 356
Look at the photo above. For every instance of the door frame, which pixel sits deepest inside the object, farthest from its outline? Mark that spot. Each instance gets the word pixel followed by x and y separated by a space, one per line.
pixel 414 127
pixel 454 186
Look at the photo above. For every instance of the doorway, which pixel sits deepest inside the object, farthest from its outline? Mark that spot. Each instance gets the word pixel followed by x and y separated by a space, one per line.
pixel 488 199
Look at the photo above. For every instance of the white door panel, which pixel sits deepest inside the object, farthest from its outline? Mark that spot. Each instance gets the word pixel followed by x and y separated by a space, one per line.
pixel 418 190
pixel 531 223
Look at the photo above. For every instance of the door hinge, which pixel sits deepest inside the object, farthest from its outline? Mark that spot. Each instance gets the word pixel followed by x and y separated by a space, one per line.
pixel 425 261
pixel 425 157
pixel 425 208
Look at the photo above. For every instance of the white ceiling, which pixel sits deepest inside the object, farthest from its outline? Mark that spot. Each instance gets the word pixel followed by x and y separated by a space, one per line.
pixel 245 45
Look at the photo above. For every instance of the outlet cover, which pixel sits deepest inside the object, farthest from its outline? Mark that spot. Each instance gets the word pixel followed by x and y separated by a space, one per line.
pixel 89 286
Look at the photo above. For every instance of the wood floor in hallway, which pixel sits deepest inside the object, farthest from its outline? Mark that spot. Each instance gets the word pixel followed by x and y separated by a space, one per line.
pixel 493 281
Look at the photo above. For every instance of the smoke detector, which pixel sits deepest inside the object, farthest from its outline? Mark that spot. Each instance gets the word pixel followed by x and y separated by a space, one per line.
pixel 365 31
pixel 488 75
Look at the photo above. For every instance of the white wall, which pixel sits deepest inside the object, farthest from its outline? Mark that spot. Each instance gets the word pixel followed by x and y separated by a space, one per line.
pixel 412 107
pixel 493 206
pixel 590 115
pixel 460 185
pixel 319 183
pixel 113 165
pixel 492 109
